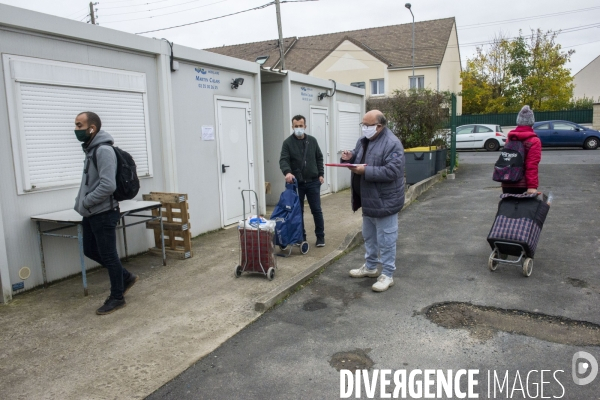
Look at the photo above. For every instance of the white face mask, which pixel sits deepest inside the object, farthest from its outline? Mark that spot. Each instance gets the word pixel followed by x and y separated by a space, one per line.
pixel 299 132
pixel 369 131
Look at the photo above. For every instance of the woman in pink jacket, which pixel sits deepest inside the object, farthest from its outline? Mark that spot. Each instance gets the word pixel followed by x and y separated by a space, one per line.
pixel 533 153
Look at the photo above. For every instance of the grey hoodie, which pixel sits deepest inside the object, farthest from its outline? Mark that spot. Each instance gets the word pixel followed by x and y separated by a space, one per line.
pixel 98 185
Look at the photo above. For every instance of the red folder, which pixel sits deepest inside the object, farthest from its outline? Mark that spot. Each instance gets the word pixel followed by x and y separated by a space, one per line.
pixel 343 165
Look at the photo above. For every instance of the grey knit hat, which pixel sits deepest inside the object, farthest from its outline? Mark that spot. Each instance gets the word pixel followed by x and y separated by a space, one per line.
pixel 525 117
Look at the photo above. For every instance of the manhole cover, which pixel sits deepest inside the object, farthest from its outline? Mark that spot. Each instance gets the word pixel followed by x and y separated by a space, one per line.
pixel 340 293
pixel 314 305
pixel 352 360
pixel 577 282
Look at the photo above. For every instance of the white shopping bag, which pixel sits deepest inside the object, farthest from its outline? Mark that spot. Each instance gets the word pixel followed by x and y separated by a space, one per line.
pixel 254 222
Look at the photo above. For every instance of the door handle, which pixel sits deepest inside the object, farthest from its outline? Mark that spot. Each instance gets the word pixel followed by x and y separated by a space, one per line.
pixel 223 166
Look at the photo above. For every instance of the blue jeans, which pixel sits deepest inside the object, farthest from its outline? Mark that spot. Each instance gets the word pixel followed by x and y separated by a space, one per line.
pixel 100 245
pixel 380 236
pixel 312 192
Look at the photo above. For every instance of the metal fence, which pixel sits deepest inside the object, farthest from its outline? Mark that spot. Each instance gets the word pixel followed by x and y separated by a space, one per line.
pixel 510 119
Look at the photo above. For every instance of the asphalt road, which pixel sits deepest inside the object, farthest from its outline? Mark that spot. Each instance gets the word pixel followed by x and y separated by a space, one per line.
pixel 292 351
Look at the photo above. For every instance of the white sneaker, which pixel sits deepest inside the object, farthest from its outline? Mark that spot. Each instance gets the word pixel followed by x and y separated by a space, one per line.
pixel 364 271
pixel 383 283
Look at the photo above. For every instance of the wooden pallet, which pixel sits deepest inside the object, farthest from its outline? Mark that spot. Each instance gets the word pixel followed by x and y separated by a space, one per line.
pixel 176 225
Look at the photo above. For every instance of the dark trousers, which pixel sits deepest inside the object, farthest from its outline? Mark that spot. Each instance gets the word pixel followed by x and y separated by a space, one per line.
pixel 312 192
pixel 100 245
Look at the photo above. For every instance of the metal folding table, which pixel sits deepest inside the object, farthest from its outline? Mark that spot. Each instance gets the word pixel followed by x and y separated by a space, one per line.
pixel 70 218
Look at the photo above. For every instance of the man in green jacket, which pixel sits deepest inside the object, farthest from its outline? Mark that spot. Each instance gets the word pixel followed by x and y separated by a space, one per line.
pixel 302 159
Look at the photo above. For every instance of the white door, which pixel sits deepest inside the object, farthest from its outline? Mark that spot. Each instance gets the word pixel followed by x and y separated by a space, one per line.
pixel 236 165
pixel 319 128
pixel 348 133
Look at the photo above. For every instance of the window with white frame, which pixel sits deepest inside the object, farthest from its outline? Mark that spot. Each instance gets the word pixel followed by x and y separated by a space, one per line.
pixel 44 99
pixel 417 82
pixel 377 88
pixel 360 85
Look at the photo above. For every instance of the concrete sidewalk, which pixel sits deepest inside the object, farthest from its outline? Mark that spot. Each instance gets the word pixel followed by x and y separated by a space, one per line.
pixel 55 346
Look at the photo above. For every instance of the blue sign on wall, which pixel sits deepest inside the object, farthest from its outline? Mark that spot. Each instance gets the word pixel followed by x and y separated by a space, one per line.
pixel 207 78
pixel 306 93
pixel 18 286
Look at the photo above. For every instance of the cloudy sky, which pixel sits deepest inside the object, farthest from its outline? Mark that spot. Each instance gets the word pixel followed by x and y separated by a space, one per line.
pixel 478 20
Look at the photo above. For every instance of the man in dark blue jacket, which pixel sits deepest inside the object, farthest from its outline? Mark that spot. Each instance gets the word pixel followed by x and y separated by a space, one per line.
pixel 377 187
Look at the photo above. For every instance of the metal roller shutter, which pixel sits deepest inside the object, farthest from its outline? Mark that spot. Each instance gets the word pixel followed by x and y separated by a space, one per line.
pixel 349 130
pixel 52 155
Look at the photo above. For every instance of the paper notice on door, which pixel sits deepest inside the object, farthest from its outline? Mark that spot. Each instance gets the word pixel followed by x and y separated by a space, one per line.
pixel 208 132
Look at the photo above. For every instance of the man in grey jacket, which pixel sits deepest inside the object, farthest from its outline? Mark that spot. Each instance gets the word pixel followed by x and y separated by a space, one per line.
pixel 377 187
pixel 99 210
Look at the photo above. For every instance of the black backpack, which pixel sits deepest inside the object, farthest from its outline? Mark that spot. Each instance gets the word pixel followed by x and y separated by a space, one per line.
pixel 510 166
pixel 128 184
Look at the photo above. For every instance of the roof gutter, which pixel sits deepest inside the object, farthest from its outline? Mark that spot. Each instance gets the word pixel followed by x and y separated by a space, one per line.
pixel 416 67
pixel 270 70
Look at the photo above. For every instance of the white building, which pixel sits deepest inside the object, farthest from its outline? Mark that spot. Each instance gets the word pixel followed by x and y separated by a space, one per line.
pixel 181 124
pixel 332 117
pixel 587 81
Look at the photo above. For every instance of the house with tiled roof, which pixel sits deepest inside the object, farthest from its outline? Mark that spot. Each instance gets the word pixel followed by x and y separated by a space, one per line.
pixel 377 59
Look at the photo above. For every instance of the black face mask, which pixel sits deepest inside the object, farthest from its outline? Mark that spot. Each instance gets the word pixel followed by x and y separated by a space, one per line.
pixel 82 135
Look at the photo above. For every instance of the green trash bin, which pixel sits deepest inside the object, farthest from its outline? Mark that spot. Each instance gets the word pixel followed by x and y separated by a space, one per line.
pixel 419 165
pixel 440 159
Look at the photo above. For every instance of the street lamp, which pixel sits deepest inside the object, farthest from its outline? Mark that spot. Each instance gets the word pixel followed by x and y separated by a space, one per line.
pixel 407 5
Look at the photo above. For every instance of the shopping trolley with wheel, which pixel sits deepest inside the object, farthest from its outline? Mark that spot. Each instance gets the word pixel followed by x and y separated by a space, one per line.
pixel 516 230
pixel 256 244
pixel 289 231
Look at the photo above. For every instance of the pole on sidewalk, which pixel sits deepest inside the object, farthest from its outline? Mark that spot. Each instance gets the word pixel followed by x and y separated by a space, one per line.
pixel 281 55
pixel 453 133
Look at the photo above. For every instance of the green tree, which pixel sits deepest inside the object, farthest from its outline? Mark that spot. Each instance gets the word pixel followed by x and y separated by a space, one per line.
pixel 486 79
pixel 519 70
pixel 415 116
pixel 476 92
pixel 516 72
pixel 498 58
pixel 549 84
